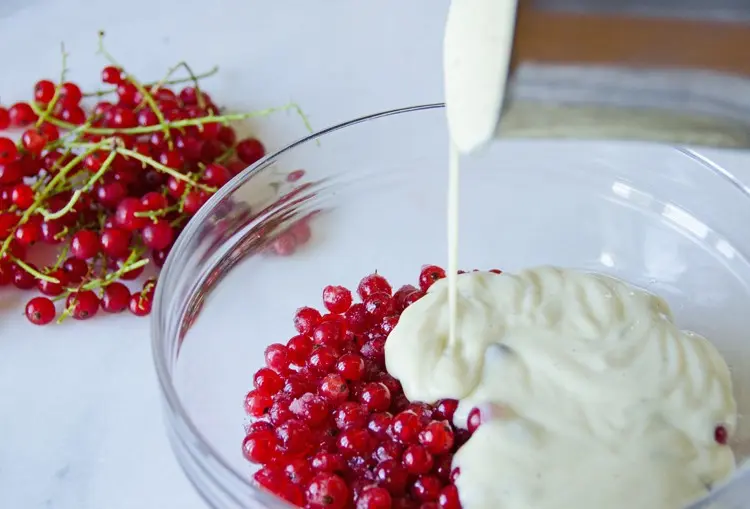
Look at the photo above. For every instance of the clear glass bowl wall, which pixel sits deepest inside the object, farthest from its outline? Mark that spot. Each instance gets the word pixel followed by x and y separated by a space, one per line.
pixel 665 219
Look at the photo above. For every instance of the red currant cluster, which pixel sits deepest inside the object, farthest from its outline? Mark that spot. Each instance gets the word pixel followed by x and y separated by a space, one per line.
pixel 111 187
pixel 332 429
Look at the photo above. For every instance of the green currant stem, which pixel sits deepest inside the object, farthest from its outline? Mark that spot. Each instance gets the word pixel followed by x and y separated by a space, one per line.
pixel 78 192
pixel 111 278
pixel 223 119
pixel 166 169
pixel 58 88
pixel 155 214
pixel 207 74
pixel 63 253
pixel 31 270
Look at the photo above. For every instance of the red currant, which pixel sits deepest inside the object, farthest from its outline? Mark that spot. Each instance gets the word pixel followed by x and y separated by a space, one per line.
pixel 82 305
pixel 40 310
pixel 116 298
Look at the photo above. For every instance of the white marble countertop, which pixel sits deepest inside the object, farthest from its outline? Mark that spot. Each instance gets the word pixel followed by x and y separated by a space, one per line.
pixel 81 420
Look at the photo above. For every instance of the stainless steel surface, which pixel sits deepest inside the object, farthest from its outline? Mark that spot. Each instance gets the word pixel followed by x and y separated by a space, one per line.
pixel 723 10
pixel 661 70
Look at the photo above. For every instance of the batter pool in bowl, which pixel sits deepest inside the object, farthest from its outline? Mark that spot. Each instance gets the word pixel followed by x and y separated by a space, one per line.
pixel 373 195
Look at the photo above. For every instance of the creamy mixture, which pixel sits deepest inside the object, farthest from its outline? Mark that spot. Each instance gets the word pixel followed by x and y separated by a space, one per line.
pixel 590 396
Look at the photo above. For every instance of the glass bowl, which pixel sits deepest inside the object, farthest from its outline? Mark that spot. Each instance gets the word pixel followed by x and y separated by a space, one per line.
pixel 374 194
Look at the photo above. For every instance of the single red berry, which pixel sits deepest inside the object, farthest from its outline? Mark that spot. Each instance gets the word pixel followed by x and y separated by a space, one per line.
pixel 10 173
pixel 44 91
pixel 33 141
pixel 474 420
pixel 82 305
pixel 4 118
pixel 171 159
pixel 279 412
pixel 337 299
pixel 355 442
pixel 121 118
pixel 8 151
pixel 428 276
pixel 374 497
pixel 375 397
pixel 327 334
pixel 295 438
pixel 154 201
pixel 277 358
pixel 193 201
pixel 379 424
pixel 417 460
pixel 40 310
pixel 22 196
pixel 374 283
pixel 28 233
pixel 305 320
pixel 75 270
pixel 334 389
pixel 125 215
pixel 445 409
pixel 406 427
pixel 327 491
pixel 357 319
pixel 111 75
pixel 350 415
pixel 176 187
pixel 327 462
pixel 437 437
pixel 311 409
pixel 73 115
pixel 49 132
pixel 250 150
pixel 448 498
pixel 84 244
pixel 22 279
pixel 216 175
pixel 70 94
pixel 351 366
pixel 116 298
pixel 128 94
pixel 158 234
pixel 140 305
pixel 426 488
pixel 260 446
pixel 392 476
pixel 115 242
pixel 721 435
pixel 378 305
pixel 21 115
pixel 51 288
pixel 268 381
pixel 298 470
pixel 257 403
pixel 147 117
pixel 299 348
pixel 322 359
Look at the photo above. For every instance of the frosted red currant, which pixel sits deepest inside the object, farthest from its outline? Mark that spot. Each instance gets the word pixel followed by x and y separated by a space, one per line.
pixel 337 299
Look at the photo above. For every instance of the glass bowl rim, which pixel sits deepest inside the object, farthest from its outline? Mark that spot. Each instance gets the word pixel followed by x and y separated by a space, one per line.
pixel 161 338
